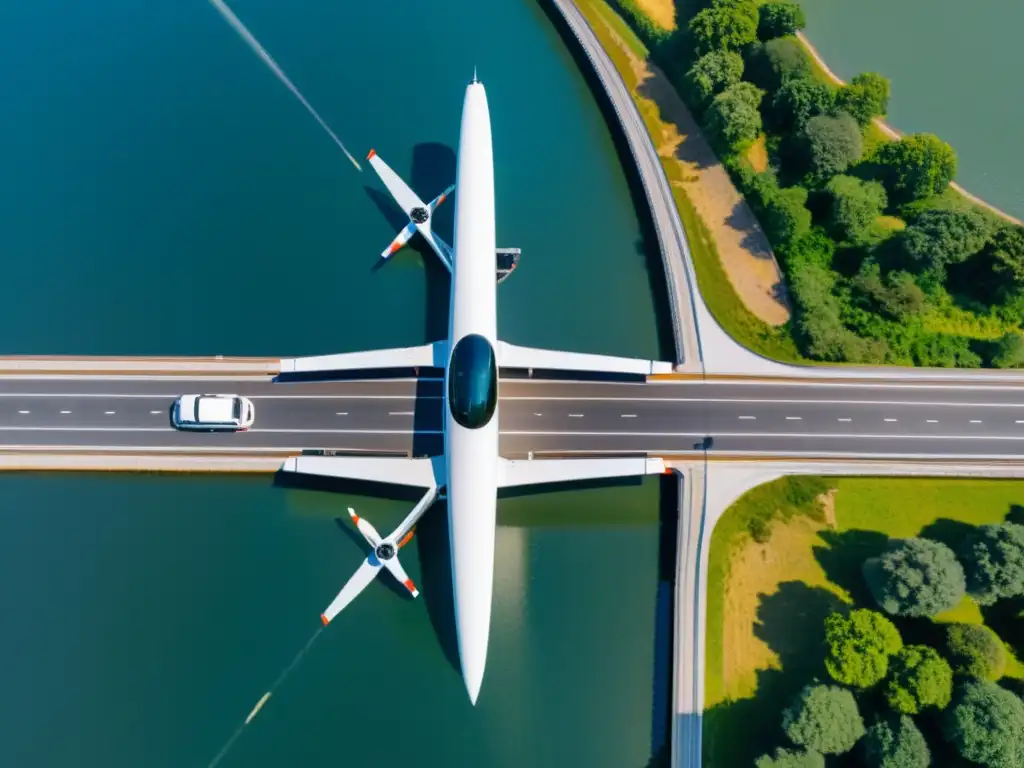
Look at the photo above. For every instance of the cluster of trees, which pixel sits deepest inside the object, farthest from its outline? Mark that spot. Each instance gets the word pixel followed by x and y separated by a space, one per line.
pixel 876 677
pixel 824 197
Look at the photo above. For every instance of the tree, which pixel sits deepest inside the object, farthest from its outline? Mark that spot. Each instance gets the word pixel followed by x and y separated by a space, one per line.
pixel 1005 249
pixel 1009 351
pixel 986 725
pixel 724 25
pixel 938 238
pixel 866 96
pixel 915 577
pixel 896 743
pixel 799 99
pixel 713 72
pixel 993 559
pixel 896 294
pixel 824 718
pixel 920 678
pixel 916 166
pixel 859 647
pixel 734 114
pixel 976 651
pixel 779 20
pixel 855 206
pixel 786 218
pixel 788 758
pixel 831 144
pixel 771 64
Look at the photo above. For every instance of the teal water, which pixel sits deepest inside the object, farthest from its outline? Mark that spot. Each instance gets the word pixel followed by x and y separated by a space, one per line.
pixel 955 72
pixel 164 194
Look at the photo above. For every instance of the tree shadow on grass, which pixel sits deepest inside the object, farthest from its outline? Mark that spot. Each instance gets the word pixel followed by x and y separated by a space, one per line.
pixel 952 533
pixel 790 622
pixel 843 556
pixel 1016 514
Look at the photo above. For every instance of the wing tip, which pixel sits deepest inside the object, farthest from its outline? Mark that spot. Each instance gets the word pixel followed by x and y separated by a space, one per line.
pixel 372 153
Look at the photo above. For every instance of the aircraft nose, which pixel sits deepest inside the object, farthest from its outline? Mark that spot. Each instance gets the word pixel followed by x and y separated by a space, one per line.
pixel 473 678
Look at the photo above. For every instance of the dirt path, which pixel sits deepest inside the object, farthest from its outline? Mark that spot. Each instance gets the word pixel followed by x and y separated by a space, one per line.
pixel 896 134
pixel 743 248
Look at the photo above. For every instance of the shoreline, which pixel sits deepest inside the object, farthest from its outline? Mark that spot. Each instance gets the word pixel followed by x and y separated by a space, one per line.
pixel 896 134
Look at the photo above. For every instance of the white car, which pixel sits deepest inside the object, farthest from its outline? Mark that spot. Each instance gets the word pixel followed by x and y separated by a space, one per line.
pixel 213 413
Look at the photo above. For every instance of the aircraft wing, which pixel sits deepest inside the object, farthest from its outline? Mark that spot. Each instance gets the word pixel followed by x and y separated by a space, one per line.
pixel 428 356
pixel 405 197
pixel 422 473
pixel 541 471
pixel 514 356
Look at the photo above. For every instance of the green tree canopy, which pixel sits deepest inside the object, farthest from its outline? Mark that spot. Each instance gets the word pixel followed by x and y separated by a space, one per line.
pixel 976 651
pixel 993 559
pixel 790 758
pixel 825 719
pixel 865 97
pixel 919 678
pixel 915 577
pixel 916 166
pixel 938 238
pixel 734 115
pixel 986 725
pixel 855 206
pixel 772 63
pixel 786 218
pixel 896 743
pixel 859 646
pixel 1009 351
pixel 780 19
pixel 1005 249
pixel 713 72
pixel 799 99
pixel 831 144
pixel 729 24
pixel 895 294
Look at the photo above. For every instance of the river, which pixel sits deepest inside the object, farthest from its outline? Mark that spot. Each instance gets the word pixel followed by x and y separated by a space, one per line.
pixel 955 72
pixel 164 194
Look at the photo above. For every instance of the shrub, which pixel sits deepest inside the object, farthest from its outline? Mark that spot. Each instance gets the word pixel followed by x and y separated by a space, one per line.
pixel 859 647
pixel 786 217
pixel 831 145
pixel 987 725
pixel 825 719
pixel 916 166
pixel 943 350
pixel 993 559
pixel 976 651
pixel 797 100
pixel 734 114
pixel 938 238
pixel 1005 250
pixel 712 73
pixel 771 64
pixel 1009 351
pixel 855 206
pixel 779 19
pixel 724 25
pixel 920 678
pixel 787 758
pixel 915 577
pixel 896 744
pixel 866 96
pixel 895 295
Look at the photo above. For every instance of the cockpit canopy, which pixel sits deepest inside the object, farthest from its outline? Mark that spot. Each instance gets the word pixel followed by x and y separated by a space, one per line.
pixel 473 382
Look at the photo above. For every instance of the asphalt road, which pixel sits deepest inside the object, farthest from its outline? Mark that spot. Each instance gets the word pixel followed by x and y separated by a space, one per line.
pixel 539 416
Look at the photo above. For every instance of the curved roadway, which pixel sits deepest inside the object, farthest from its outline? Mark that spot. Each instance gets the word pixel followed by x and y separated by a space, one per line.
pixel 868 420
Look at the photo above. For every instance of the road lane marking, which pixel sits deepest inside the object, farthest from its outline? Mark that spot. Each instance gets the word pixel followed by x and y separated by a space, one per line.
pixel 794 418
pixel 975 421
pixel 341 413
pixel 800 435
pixel 108 413
pixel 628 415
pixel 538 414
pixel 24 411
pixel 400 413
pixel 844 419
pixel 65 412
pixel 750 418
pixel 241 435
pixel 176 395
pixel 890 419
pixel 936 421
pixel 575 415
pixel 764 401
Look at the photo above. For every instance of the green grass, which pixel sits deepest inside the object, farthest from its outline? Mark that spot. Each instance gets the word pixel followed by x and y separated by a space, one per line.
pixel 868 512
pixel 622 29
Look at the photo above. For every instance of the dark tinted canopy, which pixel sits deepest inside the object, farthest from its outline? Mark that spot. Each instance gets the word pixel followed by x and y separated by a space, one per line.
pixel 473 382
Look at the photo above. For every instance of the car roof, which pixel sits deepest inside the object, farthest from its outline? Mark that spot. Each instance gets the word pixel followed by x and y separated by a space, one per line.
pixel 216 409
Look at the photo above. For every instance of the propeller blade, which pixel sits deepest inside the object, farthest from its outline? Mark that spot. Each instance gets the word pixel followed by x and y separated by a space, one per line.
pixel 365 528
pixel 399 573
pixel 359 581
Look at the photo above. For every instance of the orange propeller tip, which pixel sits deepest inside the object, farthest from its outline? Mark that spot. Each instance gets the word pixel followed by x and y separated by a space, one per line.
pixel 371 154
pixel 324 619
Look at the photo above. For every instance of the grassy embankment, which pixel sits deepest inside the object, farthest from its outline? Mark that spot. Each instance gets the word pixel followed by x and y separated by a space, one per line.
pixel 626 50
pixel 767 601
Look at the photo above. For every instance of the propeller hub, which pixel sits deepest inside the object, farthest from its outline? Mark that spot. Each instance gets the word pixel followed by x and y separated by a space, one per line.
pixel 419 215
pixel 385 551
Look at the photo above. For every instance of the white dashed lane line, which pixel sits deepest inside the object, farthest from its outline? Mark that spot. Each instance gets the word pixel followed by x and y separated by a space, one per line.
pixel 794 418
pixel 65 412
pixel 844 419
pixel 628 415
pixel 24 412
pixel 890 419
pixel 750 418
pixel 575 415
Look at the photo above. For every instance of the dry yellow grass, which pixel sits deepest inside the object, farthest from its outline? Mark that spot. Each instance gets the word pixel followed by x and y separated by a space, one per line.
pixel 661 12
pixel 757 574
pixel 757 154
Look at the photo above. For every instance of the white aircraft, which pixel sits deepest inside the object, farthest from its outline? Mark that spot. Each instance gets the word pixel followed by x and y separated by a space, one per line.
pixel 470 471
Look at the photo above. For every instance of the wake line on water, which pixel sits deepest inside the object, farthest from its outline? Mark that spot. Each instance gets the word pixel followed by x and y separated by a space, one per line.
pixel 258 49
